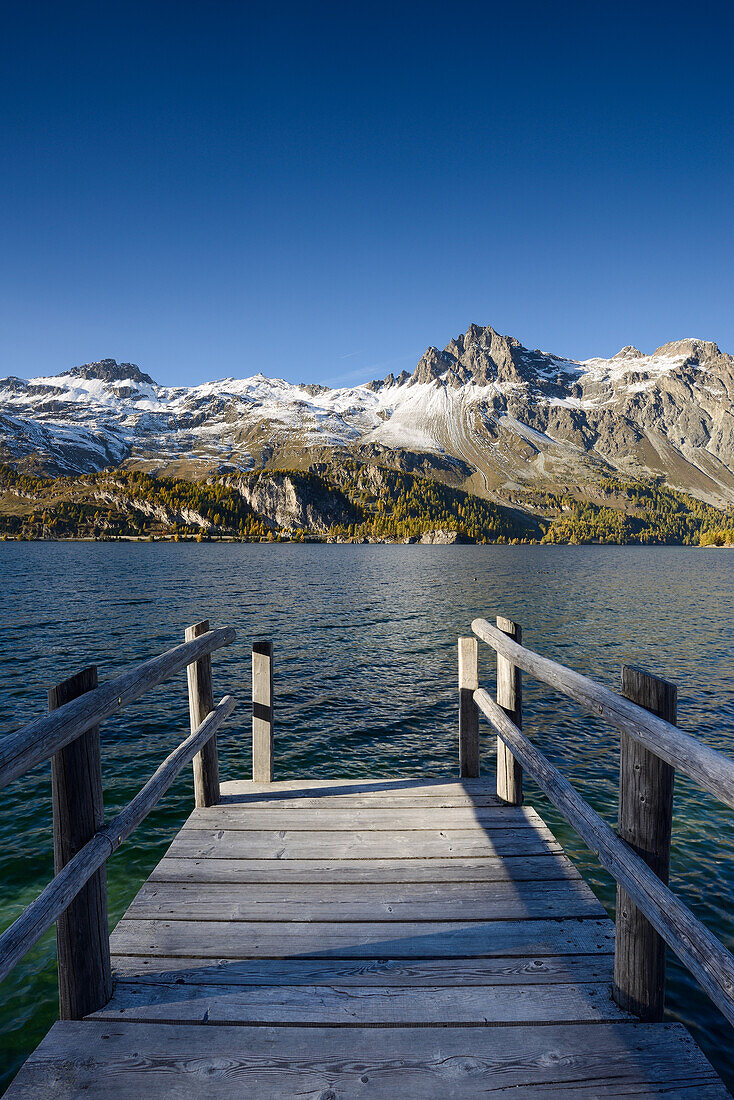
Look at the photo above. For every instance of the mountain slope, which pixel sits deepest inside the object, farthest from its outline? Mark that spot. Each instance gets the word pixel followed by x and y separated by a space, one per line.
pixel 345 502
pixel 486 414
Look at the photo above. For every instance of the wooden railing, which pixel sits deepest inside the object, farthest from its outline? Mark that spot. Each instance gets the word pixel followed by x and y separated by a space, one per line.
pixel 76 898
pixel 649 915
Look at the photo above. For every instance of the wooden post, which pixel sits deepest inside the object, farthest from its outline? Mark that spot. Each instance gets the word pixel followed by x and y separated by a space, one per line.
pixel 262 712
pixel 645 822
pixel 201 703
pixel 82 933
pixel 468 710
pixel 509 697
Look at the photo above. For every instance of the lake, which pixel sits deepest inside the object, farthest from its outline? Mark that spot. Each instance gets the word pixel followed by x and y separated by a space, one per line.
pixel 365 685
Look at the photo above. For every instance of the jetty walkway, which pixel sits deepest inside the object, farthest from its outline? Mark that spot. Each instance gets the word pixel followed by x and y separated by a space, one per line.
pixel 370 937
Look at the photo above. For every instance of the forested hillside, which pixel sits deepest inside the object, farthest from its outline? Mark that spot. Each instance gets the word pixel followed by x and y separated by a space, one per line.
pixel 634 512
pixel 352 503
pixel 348 501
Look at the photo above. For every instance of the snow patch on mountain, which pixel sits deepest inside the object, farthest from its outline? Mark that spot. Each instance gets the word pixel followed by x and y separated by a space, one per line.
pixel 484 399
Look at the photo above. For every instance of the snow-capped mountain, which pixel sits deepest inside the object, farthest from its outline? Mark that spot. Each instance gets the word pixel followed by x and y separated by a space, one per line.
pixel 485 413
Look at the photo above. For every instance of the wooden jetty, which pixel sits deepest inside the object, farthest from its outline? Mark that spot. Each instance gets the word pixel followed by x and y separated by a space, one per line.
pixel 368 937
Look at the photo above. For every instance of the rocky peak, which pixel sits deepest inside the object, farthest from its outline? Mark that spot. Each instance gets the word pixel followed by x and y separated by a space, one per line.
pixel 690 349
pixel 313 389
pixel 109 370
pixel 432 365
pixel 629 352
pixel 483 355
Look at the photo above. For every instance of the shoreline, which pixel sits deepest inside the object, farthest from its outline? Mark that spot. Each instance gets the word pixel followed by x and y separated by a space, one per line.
pixel 316 541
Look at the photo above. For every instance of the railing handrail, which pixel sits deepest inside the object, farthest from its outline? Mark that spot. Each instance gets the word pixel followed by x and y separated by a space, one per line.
pixel 708 767
pixel 38 917
pixel 697 948
pixel 41 739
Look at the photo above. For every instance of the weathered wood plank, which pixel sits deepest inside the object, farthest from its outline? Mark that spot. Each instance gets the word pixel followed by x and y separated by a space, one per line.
pixel 290 802
pixel 28 928
pixel 328 818
pixel 698 949
pixel 322 788
pixel 262 712
pixel 261 939
pixel 468 711
pixel 103 1060
pixel 364 902
pixel 712 770
pixel 40 739
pixel 550 969
pixel 645 823
pixel 293 844
pixel 201 703
pixel 509 697
pixel 539 868
pixel 82 933
pixel 353 1006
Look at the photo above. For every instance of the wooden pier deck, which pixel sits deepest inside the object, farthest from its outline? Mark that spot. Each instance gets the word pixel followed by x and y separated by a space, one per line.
pixel 410 938
pixel 340 938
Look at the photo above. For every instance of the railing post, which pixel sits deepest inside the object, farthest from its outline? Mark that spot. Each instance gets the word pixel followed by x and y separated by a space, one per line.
pixel 82 932
pixel 509 697
pixel 201 703
pixel 468 709
pixel 262 712
pixel 645 822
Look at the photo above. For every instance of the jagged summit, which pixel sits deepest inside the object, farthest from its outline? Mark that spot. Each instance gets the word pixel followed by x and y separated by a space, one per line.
pixel 484 356
pixel 109 370
pixel 629 352
pixel 485 412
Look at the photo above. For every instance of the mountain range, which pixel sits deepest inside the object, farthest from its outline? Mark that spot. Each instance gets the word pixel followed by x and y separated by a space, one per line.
pixel 485 414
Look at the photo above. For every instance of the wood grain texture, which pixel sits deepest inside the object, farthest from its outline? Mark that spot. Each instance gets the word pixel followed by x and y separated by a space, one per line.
pixel 243 789
pixel 104 1060
pixel 323 819
pixel 537 868
pixel 511 971
pixel 468 712
pixel 417 902
pixel 439 939
pixel 418 844
pixel 509 697
pixel 40 739
pixel 697 948
pixel 710 769
pixel 355 956
pixel 645 823
pixel 262 712
pixel 355 1006
pixel 24 932
pixel 377 801
pixel 201 704
pixel 82 933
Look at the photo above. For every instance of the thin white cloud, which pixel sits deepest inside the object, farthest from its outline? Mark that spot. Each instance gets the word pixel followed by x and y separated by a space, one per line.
pixel 368 372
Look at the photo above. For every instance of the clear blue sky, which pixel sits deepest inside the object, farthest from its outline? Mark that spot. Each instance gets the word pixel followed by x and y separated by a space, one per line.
pixel 321 190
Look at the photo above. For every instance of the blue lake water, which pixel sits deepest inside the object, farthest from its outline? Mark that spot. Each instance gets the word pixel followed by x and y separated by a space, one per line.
pixel 365 685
